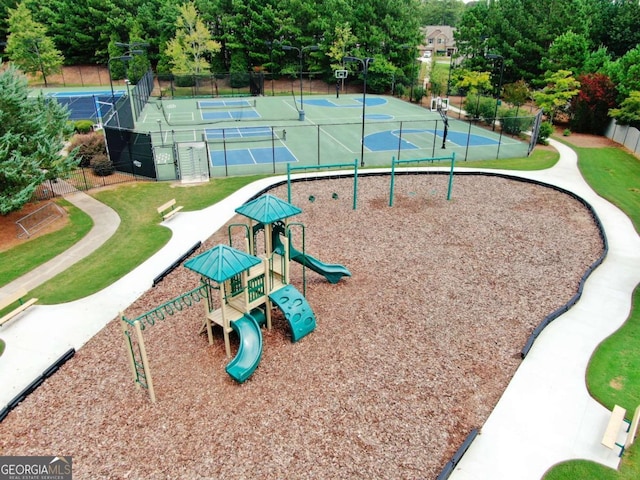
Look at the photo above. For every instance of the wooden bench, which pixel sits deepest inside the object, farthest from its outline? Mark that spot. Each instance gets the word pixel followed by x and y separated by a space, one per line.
pixel 610 437
pixel 169 209
pixel 11 299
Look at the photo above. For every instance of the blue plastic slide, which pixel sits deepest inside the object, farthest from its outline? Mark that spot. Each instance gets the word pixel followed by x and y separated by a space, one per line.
pixel 250 351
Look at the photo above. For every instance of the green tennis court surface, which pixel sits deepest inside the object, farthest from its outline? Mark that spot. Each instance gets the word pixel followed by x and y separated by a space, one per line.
pixel 259 135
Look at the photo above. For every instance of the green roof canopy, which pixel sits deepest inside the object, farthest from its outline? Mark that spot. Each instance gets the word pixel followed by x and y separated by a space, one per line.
pixel 268 209
pixel 221 263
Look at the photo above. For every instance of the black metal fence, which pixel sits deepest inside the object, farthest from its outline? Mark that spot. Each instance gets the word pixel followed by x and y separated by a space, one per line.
pixel 82 179
pixel 255 84
pixel 130 152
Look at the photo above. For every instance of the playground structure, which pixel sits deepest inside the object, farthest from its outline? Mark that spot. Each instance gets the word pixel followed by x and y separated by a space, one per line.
pixel 251 282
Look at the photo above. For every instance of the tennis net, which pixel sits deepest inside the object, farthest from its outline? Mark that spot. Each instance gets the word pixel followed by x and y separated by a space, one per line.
pixel 242 134
pixel 226 104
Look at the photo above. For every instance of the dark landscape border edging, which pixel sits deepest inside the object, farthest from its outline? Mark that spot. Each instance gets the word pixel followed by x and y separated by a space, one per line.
pixel 55 366
pixel 176 264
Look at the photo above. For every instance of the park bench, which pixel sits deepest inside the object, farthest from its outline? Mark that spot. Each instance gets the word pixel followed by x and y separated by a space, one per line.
pixel 610 437
pixel 169 209
pixel 13 298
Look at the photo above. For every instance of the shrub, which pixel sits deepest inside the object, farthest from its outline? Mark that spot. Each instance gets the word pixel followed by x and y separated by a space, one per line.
pixel 185 80
pixel 480 108
pixel 546 129
pixel 239 79
pixel 88 145
pixel 418 94
pixel 401 90
pixel 566 132
pixel 83 126
pixel 514 125
pixel 102 166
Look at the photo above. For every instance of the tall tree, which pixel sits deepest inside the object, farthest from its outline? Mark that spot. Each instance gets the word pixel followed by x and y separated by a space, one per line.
pixel 343 39
pixel 519 30
pixel 590 108
pixel 625 72
pixel 189 48
pixel 441 12
pixel 568 51
pixel 32 135
pixel 623 33
pixel 28 45
pixel 629 111
pixel 561 88
pixel 5 5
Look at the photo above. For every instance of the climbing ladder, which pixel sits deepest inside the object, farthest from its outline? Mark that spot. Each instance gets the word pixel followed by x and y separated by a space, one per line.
pixel 296 310
pixel 134 341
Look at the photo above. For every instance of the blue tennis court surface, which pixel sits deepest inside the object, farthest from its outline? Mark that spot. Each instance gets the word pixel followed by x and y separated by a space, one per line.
pixel 251 156
pixel 97 93
pixel 323 102
pixel 389 139
pixel 225 103
pixel 87 105
pixel 378 116
pixel 230 114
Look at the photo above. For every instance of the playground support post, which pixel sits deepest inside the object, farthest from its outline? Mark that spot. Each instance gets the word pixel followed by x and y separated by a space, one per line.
pixel 144 360
pixel 395 162
pixel 335 165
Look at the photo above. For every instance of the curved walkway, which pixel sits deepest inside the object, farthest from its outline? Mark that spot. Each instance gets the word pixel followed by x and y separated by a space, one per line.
pixel 544 416
pixel 105 224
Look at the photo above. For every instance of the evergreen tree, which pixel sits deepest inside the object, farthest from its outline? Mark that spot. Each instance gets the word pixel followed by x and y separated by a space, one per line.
pixel 32 135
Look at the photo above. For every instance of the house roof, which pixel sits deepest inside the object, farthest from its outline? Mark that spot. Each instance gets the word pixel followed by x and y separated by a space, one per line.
pixel 268 209
pixel 221 263
pixel 439 30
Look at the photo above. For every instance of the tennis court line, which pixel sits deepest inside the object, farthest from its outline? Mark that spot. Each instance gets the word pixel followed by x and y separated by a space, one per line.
pixel 337 141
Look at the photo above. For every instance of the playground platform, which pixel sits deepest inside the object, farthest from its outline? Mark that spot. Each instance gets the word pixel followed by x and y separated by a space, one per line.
pixel 545 415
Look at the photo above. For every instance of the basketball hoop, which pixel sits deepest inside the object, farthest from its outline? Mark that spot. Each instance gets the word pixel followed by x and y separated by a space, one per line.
pixel 341 73
pixel 439 104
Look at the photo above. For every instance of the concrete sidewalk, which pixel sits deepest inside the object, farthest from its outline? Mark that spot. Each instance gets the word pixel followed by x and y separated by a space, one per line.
pixel 545 415
pixel 105 224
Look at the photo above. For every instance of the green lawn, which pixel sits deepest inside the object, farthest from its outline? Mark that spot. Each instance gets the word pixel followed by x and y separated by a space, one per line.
pixel 615 175
pixel 138 237
pixel 29 255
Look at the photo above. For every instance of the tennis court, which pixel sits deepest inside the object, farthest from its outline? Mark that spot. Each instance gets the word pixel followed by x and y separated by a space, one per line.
pixel 259 135
pixel 87 104
pixel 239 154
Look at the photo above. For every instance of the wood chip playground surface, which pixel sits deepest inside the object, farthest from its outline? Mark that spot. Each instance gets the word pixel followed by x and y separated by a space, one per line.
pixel 410 353
pixel 262 134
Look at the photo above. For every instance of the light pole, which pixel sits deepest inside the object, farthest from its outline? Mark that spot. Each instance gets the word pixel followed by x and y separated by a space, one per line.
pixel 270 45
pixel 128 55
pixel 124 58
pixel 311 48
pixel 495 56
pixel 365 68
